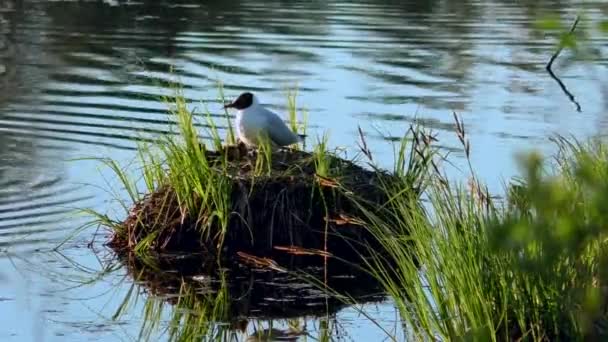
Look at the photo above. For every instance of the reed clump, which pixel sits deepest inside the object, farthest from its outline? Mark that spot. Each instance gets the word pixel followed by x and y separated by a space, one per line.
pixel 530 266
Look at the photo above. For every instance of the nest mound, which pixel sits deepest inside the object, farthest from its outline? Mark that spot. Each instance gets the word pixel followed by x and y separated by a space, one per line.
pixel 289 209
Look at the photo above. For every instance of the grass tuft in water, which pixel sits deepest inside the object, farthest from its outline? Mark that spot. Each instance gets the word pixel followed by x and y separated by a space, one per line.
pixel 531 267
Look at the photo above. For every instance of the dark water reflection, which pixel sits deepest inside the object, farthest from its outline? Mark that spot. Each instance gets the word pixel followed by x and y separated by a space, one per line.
pixel 83 79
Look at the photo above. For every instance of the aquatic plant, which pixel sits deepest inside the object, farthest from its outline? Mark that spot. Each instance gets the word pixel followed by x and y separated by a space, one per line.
pixel 531 267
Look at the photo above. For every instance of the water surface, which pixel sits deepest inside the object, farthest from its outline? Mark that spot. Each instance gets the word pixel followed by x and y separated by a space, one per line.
pixel 83 79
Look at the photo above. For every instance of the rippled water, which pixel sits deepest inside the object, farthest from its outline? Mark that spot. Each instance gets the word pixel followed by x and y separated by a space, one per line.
pixel 83 79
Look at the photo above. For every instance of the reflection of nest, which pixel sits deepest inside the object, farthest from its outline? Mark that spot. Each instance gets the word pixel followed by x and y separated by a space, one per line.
pixel 250 293
pixel 288 208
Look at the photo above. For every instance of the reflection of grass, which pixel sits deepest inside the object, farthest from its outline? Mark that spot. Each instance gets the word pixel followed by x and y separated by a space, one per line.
pixel 194 315
pixel 194 318
pixel 183 301
pixel 533 268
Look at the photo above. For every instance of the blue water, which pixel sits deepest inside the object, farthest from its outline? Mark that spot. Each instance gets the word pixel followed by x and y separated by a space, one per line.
pixel 83 79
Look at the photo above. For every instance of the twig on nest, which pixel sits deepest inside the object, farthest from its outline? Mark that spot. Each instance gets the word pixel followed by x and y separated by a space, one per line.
pixel 557 79
pixel 260 262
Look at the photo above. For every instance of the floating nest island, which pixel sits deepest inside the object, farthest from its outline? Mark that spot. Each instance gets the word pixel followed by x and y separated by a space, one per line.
pixel 278 206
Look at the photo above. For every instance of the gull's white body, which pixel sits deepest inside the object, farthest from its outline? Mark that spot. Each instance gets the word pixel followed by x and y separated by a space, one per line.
pixel 255 121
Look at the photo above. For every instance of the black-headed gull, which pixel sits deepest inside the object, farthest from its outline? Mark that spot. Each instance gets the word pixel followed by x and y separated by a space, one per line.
pixel 253 121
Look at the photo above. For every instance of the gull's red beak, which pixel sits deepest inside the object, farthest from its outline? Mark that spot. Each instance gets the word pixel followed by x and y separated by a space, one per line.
pixel 229 105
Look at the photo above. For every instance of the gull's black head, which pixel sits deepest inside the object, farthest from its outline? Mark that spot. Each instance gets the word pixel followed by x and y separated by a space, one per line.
pixel 243 101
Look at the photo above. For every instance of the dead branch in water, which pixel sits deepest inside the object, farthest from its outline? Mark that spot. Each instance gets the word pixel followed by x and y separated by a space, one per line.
pixel 557 79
